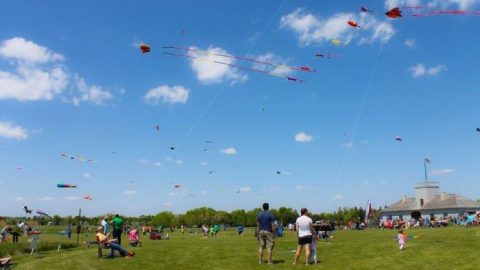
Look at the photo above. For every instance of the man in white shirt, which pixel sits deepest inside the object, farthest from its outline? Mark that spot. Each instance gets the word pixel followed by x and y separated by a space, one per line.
pixel 104 223
pixel 305 234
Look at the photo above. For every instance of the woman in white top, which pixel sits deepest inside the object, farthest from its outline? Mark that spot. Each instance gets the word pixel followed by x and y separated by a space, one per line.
pixel 305 234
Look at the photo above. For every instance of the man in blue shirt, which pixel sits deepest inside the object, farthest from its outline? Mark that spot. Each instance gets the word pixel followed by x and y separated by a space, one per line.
pixel 266 236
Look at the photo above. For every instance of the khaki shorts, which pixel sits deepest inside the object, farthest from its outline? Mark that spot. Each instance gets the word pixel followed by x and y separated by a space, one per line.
pixel 266 239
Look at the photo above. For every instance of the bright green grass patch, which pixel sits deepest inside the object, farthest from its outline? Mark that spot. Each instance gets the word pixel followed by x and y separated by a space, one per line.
pixel 443 248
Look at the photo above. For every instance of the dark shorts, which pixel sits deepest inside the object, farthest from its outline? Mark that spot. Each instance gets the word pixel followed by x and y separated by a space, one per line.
pixel 305 240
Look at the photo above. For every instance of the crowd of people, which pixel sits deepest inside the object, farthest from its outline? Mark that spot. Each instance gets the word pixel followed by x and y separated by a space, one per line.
pixel 433 222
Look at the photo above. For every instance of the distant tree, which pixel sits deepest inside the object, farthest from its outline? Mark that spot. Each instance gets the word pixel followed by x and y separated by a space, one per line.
pixel 165 218
pixel 238 217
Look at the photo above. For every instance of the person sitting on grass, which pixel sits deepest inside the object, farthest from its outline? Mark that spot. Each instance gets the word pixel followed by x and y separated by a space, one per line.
pixel 103 240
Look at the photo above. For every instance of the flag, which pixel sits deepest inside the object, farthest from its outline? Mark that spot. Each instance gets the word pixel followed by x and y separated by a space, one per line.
pixel 428 161
pixel 368 211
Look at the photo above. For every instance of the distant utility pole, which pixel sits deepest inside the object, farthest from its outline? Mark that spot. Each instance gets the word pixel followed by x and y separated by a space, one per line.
pixel 79 223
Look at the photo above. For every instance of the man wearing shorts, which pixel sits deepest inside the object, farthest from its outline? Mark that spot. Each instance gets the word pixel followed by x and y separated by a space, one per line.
pixel 266 236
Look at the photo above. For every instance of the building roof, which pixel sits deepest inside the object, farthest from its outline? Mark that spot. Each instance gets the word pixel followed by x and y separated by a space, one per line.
pixel 441 201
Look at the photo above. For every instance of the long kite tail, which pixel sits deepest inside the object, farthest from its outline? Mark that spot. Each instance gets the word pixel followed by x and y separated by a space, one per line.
pixel 235 66
pixel 303 69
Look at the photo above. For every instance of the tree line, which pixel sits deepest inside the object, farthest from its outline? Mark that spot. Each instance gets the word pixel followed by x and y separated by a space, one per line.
pixel 205 215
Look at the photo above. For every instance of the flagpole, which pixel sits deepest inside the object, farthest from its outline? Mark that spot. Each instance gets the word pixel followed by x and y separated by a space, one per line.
pixel 425 167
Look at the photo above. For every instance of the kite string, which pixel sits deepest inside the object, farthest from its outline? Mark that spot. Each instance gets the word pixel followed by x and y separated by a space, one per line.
pixel 219 93
pixel 357 123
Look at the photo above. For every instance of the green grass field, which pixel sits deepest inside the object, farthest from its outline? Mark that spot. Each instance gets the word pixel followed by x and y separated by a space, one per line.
pixel 443 248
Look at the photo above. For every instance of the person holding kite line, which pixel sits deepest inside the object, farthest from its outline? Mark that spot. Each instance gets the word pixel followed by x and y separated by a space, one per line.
pixel 305 234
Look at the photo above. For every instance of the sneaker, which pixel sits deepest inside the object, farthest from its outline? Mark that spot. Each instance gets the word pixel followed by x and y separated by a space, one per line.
pixel 270 262
pixel 130 254
pixel 260 262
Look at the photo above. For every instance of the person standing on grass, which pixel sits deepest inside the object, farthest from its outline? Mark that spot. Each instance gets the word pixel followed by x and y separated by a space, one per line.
pixel 104 224
pixel 305 234
pixel 117 224
pixel 266 236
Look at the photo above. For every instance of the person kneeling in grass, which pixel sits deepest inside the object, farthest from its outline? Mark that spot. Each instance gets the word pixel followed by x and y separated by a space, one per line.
pixel 103 239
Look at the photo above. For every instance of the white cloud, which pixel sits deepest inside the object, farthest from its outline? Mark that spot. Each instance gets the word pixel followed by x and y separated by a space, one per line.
pixel 143 161
pixel 10 131
pixel 72 198
pixel 204 163
pixel 20 199
pixel 311 29
pixel 38 74
pixel 280 67
pixel 389 4
pixel 229 151
pixel 177 161
pixel 167 204
pixel 173 193
pixel 347 145
pixel 420 70
pixel 90 93
pixel 209 72
pixel 459 4
pixel 299 187
pixel 87 175
pixel 203 192
pixel 46 198
pixel 129 192
pixel 337 197
pixel 26 51
pixel 442 172
pixel 157 164
pixel 167 94
pixel 410 43
pixel 303 137
pixel 32 83
pixel 245 189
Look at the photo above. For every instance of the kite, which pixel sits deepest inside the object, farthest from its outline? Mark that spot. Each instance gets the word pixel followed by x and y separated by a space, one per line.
pixel 353 24
pixel 262 110
pixel 366 10
pixel 394 13
pixel 144 48
pixel 478 129
pixel 79 158
pixel 66 186
pixel 27 211
pixel 325 55
pixel 87 197
pixel 157 127
pixel 172 147
pixel 447 12
pixel 19 168
pixel 336 42
pixel 304 69
pixel 241 67
pixel 398 139
pixel 208 142
pixel 177 186
pixel 42 213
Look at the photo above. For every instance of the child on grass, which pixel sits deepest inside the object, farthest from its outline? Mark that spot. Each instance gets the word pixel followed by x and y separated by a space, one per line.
pixel 401 239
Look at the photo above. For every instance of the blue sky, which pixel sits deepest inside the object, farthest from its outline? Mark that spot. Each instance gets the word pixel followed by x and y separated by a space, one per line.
pixel 73 81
